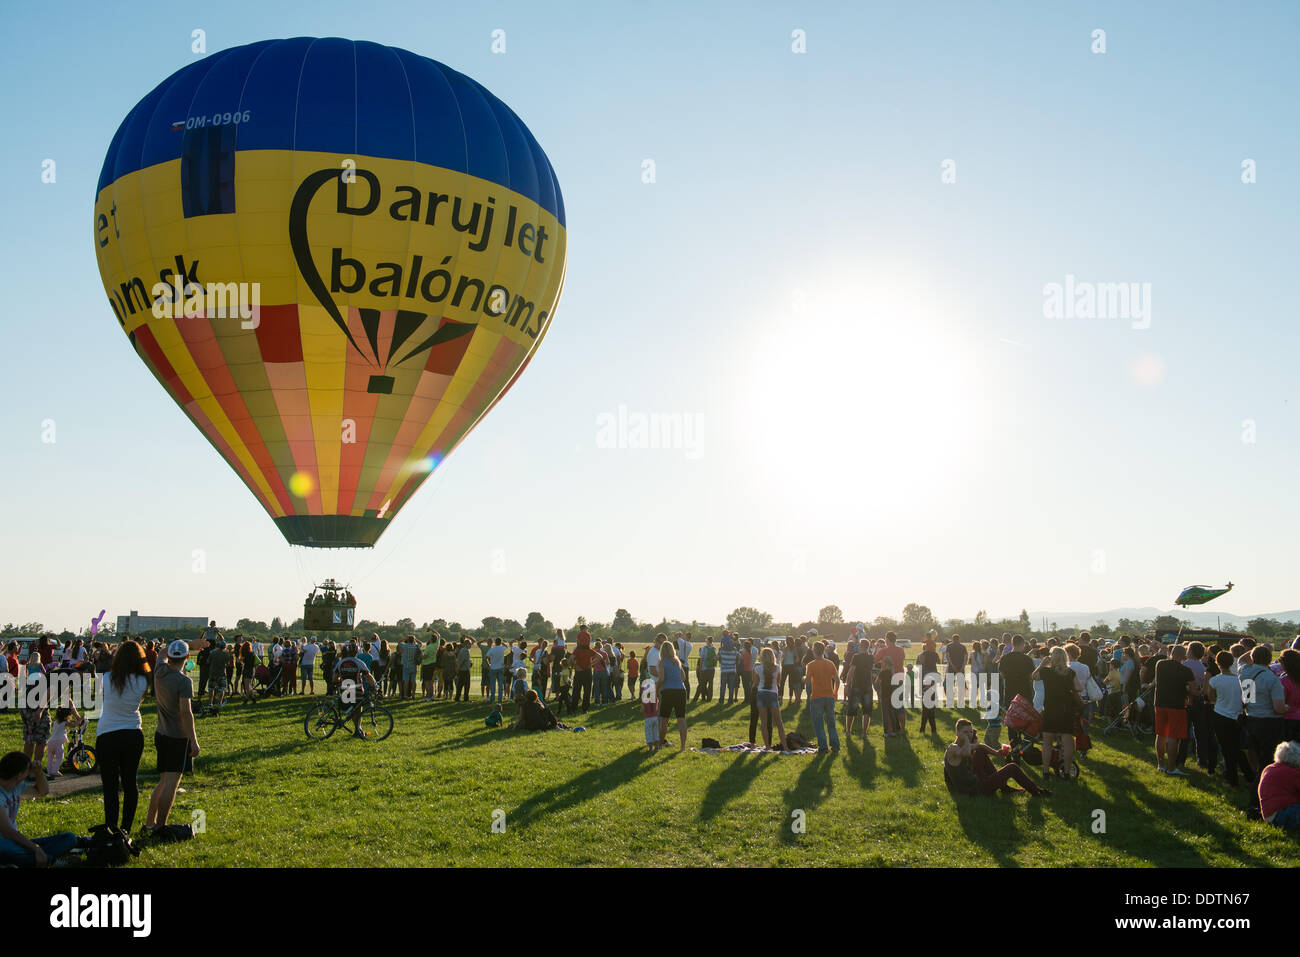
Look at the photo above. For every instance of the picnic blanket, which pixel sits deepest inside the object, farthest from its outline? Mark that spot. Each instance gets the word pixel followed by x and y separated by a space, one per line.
pixel 746 748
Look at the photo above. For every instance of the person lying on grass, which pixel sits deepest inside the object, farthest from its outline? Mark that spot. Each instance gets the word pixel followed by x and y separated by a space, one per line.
pixel 968 768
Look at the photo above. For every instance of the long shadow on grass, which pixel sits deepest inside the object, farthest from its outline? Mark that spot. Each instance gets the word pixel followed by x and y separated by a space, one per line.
pixel 861 760
pixel 734 780
pixel 902 761
pixel 583 788
pixel 812 787
pixel 993 823
pixel 1130 793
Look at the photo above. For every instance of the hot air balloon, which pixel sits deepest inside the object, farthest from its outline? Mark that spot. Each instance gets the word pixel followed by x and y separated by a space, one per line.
pixel 336 257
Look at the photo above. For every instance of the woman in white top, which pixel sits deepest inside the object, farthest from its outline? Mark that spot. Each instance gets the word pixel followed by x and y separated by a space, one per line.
pixel 1223 691
pixel 119 740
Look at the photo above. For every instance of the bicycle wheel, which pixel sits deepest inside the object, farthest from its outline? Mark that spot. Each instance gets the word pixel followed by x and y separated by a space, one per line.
pixel 376 723
pixel 321 721
pixel 82 759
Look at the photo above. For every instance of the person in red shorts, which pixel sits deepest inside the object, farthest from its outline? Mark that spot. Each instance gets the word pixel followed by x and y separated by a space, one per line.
pixel 1174 682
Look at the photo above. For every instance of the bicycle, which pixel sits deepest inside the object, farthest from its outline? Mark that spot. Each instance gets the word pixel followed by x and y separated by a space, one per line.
pixel 81 756
pixel 326 717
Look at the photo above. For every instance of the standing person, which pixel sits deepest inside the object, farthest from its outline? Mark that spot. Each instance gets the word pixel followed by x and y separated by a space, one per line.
pixel 767 697
pixel 496 656
pixel 928 663
pixel 616 671
pixel 36 709
pixel 119 740
pixel 801 658
pixel 708 668
pixel 957 672
pixel 557 655
pixel 1061 690
pixel 858 681
pixel 256 648
pixel 1265 704
pixel 670 680
pixel 746 672
pixel 583 657
pixel 1174 681
pixel 205 673
pixel 464 665
pixel 248 668
pixel 650 712
pixel 893 695
pixel 327 657
pixel 1290 678
pixel 1016 669
pixel 429 666
pixel 728 658
pixel 634 675
pixel 684 648
pixel 176 741
pixel 289 667
pixel 823 688
pixel 1224 694
pixel 307 665
pixel 449 668
pixel 600 673
pixel 1199 726
pixel 217 685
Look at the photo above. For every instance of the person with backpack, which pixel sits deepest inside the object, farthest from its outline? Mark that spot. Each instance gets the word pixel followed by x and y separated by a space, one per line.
pixel 356 682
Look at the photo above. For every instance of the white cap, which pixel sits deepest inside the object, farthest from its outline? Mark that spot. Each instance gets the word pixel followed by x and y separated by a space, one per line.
pixel 178 649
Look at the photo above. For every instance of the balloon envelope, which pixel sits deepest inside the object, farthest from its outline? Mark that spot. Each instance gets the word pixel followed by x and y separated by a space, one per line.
pixel 336 257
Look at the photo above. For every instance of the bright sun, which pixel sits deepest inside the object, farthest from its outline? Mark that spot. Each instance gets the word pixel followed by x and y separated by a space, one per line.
pixel 865 380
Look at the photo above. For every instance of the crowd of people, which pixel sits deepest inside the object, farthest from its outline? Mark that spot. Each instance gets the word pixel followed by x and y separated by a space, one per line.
pixel 1236 710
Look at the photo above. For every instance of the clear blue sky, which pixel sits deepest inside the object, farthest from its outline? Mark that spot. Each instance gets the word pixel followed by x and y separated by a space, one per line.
pixel 887 414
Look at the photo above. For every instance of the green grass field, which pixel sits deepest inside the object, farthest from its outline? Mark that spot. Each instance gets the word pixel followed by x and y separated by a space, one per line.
pixel 427 795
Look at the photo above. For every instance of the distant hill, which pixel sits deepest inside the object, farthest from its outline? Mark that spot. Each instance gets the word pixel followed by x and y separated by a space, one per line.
pixel 1205 618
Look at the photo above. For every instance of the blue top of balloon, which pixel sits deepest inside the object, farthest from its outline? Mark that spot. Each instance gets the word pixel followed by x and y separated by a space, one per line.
pixel 338 96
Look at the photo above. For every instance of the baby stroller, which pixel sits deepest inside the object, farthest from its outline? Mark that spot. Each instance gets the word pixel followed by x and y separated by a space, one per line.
pixel 1136 717
pixel 1024 729
pixel 266 681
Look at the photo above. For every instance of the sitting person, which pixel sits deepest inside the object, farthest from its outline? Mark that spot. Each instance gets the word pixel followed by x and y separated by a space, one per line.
pixel 494 719
pixel 15 848
pixel 1279 788
pixel 535 716
pixel 967 768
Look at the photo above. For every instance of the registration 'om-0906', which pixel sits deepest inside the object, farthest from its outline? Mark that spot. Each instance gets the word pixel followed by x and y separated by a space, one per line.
pixel 216 119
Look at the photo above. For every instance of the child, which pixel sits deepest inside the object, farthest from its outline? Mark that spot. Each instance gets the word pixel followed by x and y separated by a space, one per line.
pixel 633 672
pixel 519 690
pixel 566 674
pixel 494 719
pixel 650 710
pixel 64 718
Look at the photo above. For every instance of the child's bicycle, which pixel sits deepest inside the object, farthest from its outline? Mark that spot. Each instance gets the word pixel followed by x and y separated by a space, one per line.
pixel 80 756
pixel 326 717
